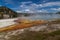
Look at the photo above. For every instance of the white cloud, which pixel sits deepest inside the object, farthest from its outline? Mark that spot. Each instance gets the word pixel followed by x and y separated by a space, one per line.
pixel 51 4
pixel 56 9
pixel 18 11
pixel 33 11
pixel 26 2
pixel 27 10
pixel 43 11
pixel 33 7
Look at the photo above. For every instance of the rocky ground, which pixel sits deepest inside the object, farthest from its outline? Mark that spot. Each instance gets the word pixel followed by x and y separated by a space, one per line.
pixel 41 32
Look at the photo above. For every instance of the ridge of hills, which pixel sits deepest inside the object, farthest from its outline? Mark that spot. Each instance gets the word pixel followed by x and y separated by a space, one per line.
pixel 6 12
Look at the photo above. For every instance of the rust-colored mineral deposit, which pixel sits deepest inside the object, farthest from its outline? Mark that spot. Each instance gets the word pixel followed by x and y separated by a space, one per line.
pixel 24 24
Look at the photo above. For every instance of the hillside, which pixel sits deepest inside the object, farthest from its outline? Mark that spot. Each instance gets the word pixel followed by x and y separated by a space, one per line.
pixel 6 12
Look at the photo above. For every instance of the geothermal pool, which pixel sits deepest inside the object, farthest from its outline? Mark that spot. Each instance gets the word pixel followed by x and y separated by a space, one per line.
pixel 7 22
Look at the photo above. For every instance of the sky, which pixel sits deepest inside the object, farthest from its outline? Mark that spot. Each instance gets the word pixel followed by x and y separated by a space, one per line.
pixel 32 6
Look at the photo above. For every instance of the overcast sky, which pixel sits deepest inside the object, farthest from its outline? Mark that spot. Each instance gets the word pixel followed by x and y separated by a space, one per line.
pixel 32 6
